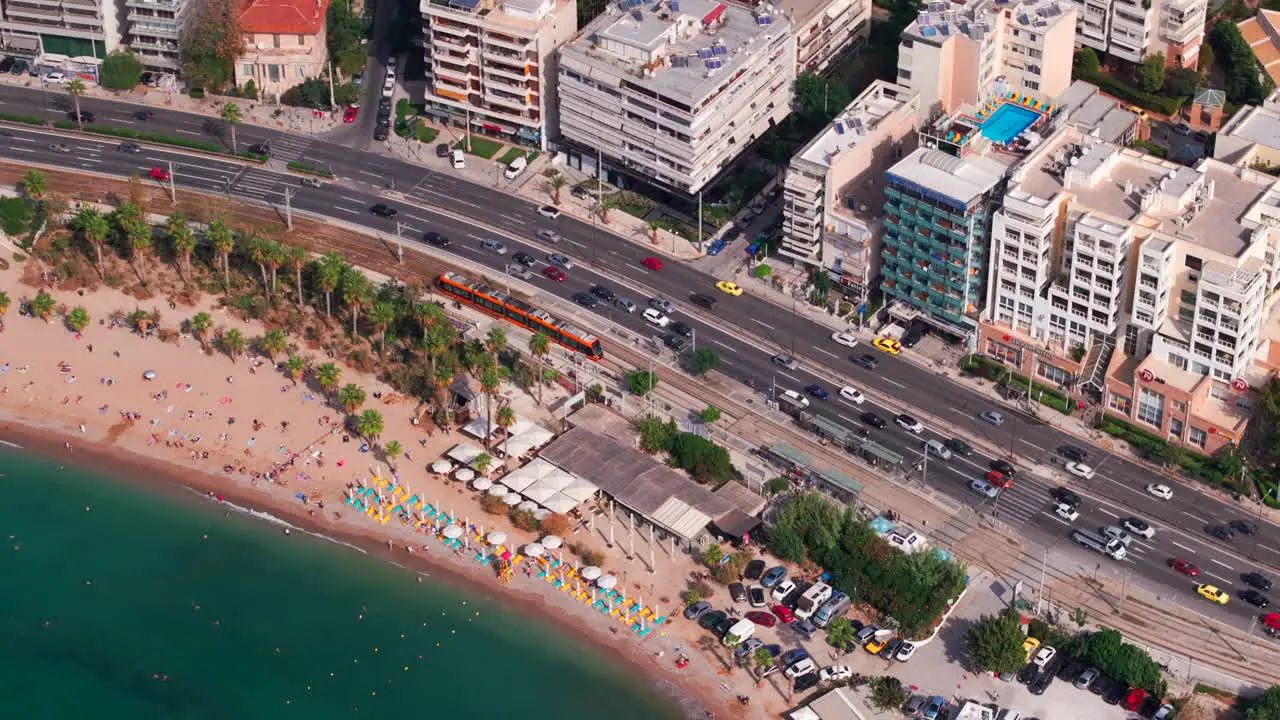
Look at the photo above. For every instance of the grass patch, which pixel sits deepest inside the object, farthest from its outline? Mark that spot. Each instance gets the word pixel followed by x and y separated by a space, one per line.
pixel 1203 689
pixel 1151 148
pixel 309 169
pixel 425 133
pixel 24 119
pixel 480 147
pixel 511 155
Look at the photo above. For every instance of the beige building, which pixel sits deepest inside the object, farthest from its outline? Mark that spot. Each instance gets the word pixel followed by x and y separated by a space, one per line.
pixel 1252 137
pixel 64 29
pixel 834 194
pixel 825 29
pixel 1133 29
pixel 957 54
pixel 491 63
pixel 153 29
pixel 284 44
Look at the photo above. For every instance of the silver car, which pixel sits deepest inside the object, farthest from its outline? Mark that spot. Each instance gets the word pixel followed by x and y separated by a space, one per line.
pixel 550 236
pixel 626 305
pixel 518 270
pixel 992 417
pixel 560 261
pixel 494 246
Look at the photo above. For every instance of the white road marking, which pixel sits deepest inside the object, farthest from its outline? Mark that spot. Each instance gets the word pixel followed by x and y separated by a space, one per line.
pixel 1184 547
pixel 763 324
pixel 188 132
pixel 827 353
pixel 1194 517
pixel 1106 511
pixel 127 122
pixel 844 417
pixel 344 198
pixel 896 384
pixel 1264 547
pixel 726 347
pixel 520 222
pixel 372 175
pixel 22 149
pixel 1028 442
pixel 348 210
pixel 1219 562
pixel 92 160
pixel 784 373
pixel 19 138
pixel 415 217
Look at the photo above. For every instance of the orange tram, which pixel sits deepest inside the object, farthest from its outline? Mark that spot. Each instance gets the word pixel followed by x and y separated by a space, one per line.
pixel 497 302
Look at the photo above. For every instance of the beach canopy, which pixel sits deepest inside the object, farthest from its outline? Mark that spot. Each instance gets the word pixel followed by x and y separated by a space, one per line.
pixel 527 506
pixel 534 550
pixel 464 453
pixel 499 489
pixel 442 467
pixel 521 442
pixel 512 499
pixel 608 581
pixel 148 374
pixel 551 542
pixel 591 572
pixel 497 537
pixel 465 474
pixel 453 532
pixel 482 484
pixel 541 514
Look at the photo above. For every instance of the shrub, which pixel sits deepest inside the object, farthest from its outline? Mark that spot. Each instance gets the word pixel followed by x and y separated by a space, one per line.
pixel 762 271
pixel 121 70
pixel 309 169
pixel 493 505
pixel 524 520
pixel 24 119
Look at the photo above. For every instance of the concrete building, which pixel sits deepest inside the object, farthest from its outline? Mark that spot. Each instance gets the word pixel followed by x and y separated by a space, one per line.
pixel 284 44
pixel 1252 137
pixel 1133 29
pixel 669 94
pixel 1262 32
pixel 958 54
pixel 490 63
pixel 1100 115
pixel 152 31
pixel 825 29
pixel 834 187
pixel 65 28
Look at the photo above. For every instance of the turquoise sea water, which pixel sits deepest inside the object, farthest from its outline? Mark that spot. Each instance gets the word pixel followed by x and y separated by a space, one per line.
pixel 126 611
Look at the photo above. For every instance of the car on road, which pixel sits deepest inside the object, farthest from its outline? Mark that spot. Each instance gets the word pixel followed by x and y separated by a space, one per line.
pixel 705 302
pixel 754 570
pixel 763 619
pixel 159 173
pixel 551 272
pixel 603 292
pixel 1066 512
pixel 803 666
pixel 984 488
pixel 867 361
pixel 652 263
pixel 958 446
pixel 1222 532
pixel 625 305
pixel 311 182
pixel 844 338
pixel 1086 678
pixel 997 478
pixel 786 361
pixel 550 236
pixel 436 239
pixel 1117 533
pixel 1254 598
pixel 1073 453
pixel 782 590
pixel 853 395
pixel 697 610
pixel 817 391
pixel 908 423
pixel 560 260
pixel 783 613
pixel 756 596
pixel 85 116
pixel 774 576
pixel 520 271
pixel 806 682
pixel 889 345
pixel 662 304
pixel 1064 495
pixel 1160 490
pixel 992 417
pixel 1138 526
pixel 1256 580
pixel 381 210
pixel 549 211
pixel 349 116
pixel 1003 466
pixel 525 259
pixel 129 147
pixel 1184 566
pixel 586 299
pixel 61 148
pixel 1081 470
pixel 654 317
pixel 832 673
pixel 933 707
pixel 1243 527
pixel 1213 594
pixel 729 288
pixel 711 619
pixel 681 329
pixel 497 247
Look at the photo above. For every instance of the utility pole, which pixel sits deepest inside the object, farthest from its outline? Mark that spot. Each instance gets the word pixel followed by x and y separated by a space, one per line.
pixel 468 130
pixel 332 102
pixel 288 208
pixel 1124 590
pixel 399 244
pixel 694 340
pixel 1044 563
pixel 173 188
pixel 673 239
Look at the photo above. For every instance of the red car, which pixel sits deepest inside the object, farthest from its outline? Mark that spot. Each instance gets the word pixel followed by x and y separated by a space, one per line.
pixel 350 115
pixel 554 273
pixel 1272 620
pixel 1186 567
pixel 652 263
pixel 1134 699
pixel 763 619
pixel 159 173
pixel 997 478
pixel 783 613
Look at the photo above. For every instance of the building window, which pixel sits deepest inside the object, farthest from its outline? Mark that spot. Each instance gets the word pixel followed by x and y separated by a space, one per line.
pixel 1175 428
pixel 1004 354
pixel 1031 84
pixel 1197 437
pixel 247 70
pixel 302 40
pixel 1151 407
pixel 1119 403
pixel 904 74
pixel 273 73
pixel 1052 373
pixel 1193 262
pixel 275 40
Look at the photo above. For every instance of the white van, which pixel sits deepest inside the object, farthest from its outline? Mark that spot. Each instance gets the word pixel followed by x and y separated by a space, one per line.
pixel 739 633
pixel 516 167
pixel 811 600
pixel 793 398
pixel 459 159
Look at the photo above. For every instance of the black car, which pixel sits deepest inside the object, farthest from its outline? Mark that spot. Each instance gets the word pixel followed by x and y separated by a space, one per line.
pixel 807 682
pixel 144 115
pixel 681 329
pixel 728 622
pixel 1041 683
pixel 384 210
pixel 1244 528
pixel 915 332
pixel 1004 467
pixel 1256 580
pixel 675 342
pixel 1222 532
pixel 1070 672
pixel 1073 453
pixel 704 301
pixel 873 420
pixel 443 150
pixel 85 116
pixel 1101 684
pixel 754 570
pixel 603 293
pixel 1254 598
pixel 524 258
pixel 262 148
pixel 711 619
pixel 1064 495
pixel 381 132
pixel 891 648
pixel 793 598
pixel 756 596
pixel 865 360
pixel 435 238
pixel 1115 693
pixel 1027 673
pixel 738 592
pixel 958 446
pixel 585 299
pixel 385 104
pixel 130 147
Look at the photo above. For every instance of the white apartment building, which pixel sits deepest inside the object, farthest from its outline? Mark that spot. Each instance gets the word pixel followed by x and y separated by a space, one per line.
pixel 69 28
pixel 670 93
pixel 1134 29
pixel 958 54
pixel 153 29
pixel 490 63
pixel 1251 137
pixel 833 194
pixel 824 29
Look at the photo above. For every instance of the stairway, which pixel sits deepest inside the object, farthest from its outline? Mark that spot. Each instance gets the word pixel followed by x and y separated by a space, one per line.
pixel 1095 366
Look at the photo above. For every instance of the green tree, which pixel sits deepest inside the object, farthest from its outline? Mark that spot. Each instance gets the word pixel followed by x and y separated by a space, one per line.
pixel 43 305
pixel 777 485
pixel 273 343
pixel 506 418
pixel 328 376
pixel 1151 73
pixel 134 232
pixel 35 185
pixel 231 117
pixel 224 241
pixel 296 258
pixel 4 307
pixel 211 41
pixel 540 347
pixel 762 659
pixel 995 644
pixel 95 229
pixel 233 343
pixel 370 424
pixel 888 692
pixel 345 32
pixel 818 99
pixel 656 435
pixel 1087 61
pixel 78 319
pixel 1246 84
pixel 841 635
pixel 381 316
pixel 121 70
pixel 201 324
pixel 295 367
pixel 556 183
pixel 1182 82
pixel 355 293
pixel 496 340
pixel 482 462
pixel 351 397
pixel 641 382
pixel 1266 706
pixel 709 415
pixel 712 556
pixel 703 459
pixel 76 88
pixel 705 360
pixel 393 450
pixel 1127 663
pixel 182 240
pixel 329 271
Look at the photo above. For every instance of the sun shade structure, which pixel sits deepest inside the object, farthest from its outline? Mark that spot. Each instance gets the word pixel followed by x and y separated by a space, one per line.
pixel 464 453
pixel 519 444
pixel 549 486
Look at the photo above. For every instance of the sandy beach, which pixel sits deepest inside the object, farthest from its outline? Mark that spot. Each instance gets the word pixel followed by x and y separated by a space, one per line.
pixel 217 425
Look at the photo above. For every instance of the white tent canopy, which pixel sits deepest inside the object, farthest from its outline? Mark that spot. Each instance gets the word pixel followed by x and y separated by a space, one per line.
pixel 479 428
pixel 464 453
pixel 549 486
pixel 519 444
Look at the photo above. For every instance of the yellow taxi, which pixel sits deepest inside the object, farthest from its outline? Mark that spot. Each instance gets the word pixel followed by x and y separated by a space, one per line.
pixel 729 287
pixel 889 345
pixel 875 645
pixel 1213 594
pixel 1030 645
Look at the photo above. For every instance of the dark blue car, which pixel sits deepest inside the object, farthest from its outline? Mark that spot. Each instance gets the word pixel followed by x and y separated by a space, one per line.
pixel 774 576
pixel 817 391
pixel 791 657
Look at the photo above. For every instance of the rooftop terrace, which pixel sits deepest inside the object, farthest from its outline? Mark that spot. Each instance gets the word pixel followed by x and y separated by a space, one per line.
pixel 857 122
pixel 940 19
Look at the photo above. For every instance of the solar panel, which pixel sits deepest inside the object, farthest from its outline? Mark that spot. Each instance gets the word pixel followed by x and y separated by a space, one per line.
pixel 714 64
pixel 679 61
pixel 720 50
pixel 675 5
pixel 764 20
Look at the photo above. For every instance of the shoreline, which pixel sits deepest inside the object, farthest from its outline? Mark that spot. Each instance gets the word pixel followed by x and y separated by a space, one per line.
pixel 154 474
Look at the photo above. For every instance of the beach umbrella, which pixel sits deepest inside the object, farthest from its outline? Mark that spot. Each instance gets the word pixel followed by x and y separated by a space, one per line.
pixel 534 550
pixel 482 484
pixel 149 375
pixel 441 467
pixel 499 489
pixel 607 582
pixel 528 506
pixel 497 537
pixel 465 474
pixel 453 532
pixel 511 499
pixel 551 542
pixel 541 514
pixel 591 572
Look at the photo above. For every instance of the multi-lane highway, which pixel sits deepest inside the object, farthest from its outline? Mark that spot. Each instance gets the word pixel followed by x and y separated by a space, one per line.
pixel 746 331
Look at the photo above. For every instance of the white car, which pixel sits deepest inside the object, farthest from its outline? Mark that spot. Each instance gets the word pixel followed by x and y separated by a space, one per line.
pixel 1116 533
pixel 853 395
pixel 795 398
pixel 1139 527
pixel 982 487
pixel 1044 655
pixel 905 652
pixel 804 667
pixel 910 424
pixel 656 318
pixel 550 236
pixel 57 76
pixel 1080 470
pixel 1066 512
pixel 835 672
pixel 844 338
pixel 1162 491
pixel 549 211
pixel 782 590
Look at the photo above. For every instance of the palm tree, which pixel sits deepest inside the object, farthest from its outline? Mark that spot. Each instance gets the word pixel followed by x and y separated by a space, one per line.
pixel 607 203
pixel 351 397
pixel 259 251
pixel 75 89
pixel 841 634
pixel 183 240
pixel 328 375
pixel 428 314
pixel 482 463
pixel 382 314
pixel 442 378
pixel 4 307
pixel 393 450
pixel 654 226
pixel 355 293
pixel 43 305
pixel 329 272
pixel 762 659
pixel 35 185
pixel 274 342
pixel 496 341
pixel 95 229
pixel 370 424
pixel 233 343
pixel 275 258
pixel 78 319
pixel 200 326
pixel 437 338
pixel 539 347
pixel 296 258
pixel 506 418
pixel 295 366
pixel 231 116
pixel 224 241
pixel 555 182
pixel 490 382
pixel 135 232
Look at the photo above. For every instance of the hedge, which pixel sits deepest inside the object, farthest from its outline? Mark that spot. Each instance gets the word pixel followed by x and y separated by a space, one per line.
pixel 158 139
pixel 1150 445
pixel 999 374
pixel 1123 90
pixel 309 169
pixel 24 119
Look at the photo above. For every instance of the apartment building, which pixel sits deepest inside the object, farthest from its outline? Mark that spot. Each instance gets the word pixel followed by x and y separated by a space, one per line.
pixel 284 44
pixel 834 187
pixel 958 54
pixel 1262 32
pixel 825 29
pixel 490 63
pixel 670 93
pixel 1137 281
pixel 1252 137
pixel 152 31
pixel 69 28
pixel 1133 29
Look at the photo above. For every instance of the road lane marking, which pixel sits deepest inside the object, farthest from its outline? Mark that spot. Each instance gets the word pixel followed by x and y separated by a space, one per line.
pixel 22 149
pixel 415 217
pixel 344 198
pixel 372 175
pixel 92 160
pixel 784 373
pixel 1028 442
pixel 1219 562
pixel 1184 547
pixel 726 347
pixel 20 138
pixel 347 210
pixel 1264 547
pixel 827 353
pixel 895 384
pixel 188 132
pixel 761 324
pixel 520 222
pixel 1194 517
pixel 1106 511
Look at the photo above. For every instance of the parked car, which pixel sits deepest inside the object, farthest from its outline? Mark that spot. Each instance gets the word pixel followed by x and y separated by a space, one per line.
pixel 791 657
pixel 754 570
pixel 756 596
pixel 774 576
pixel 1086 678
pixel 709 620
pixel 914 706
pixel 783 613
pixel 697 610
pixel 905 651
pixel 738 592
pixel 783 589
pixel 804 628
pixel 803 666
pixel 763 619
pixel 832 673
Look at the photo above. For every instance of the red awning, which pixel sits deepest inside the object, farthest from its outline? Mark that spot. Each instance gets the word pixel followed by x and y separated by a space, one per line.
pixel 714 15
pixel 490 126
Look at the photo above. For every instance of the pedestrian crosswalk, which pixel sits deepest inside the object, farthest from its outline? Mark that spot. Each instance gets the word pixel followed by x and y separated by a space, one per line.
pixel 287 148
pixel 260 184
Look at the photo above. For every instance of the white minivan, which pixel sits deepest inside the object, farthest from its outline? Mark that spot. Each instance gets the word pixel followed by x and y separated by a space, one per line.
pixel 516 167
pixel 739 633
pixel 459 159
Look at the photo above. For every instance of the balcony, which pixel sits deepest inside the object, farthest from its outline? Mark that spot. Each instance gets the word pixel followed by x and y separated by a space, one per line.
pixel 156 30
pixel 438 28
pixel 520 45
pixel 153 44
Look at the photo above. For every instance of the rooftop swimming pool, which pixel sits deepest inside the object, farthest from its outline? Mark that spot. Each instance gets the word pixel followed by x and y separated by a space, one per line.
pixel 1007 122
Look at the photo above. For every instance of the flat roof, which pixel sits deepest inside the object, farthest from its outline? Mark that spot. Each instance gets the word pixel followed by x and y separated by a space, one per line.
pixel 681 49
pixel 857 123
pixel 939 19
pixel 960 179
pixel 1085 106
pixel 1259 125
